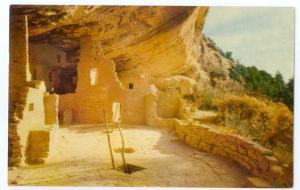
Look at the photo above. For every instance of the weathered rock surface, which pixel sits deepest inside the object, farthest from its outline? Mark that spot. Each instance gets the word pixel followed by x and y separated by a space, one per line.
pixel 184 84
pixel 144 42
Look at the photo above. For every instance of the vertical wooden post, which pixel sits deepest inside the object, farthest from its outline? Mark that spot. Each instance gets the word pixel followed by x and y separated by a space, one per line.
pixel 109 143
pixel 123 147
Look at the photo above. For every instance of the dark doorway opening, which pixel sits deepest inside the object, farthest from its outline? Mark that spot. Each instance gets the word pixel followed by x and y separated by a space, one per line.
pixel 130 85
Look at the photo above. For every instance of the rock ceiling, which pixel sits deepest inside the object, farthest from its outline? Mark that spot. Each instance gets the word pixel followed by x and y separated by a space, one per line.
pixel 62 26
pixel 148 41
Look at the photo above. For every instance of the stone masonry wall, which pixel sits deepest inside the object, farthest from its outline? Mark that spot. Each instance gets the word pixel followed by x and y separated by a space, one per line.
pixel 18 63
pixel 26 97
pixel 18 76
pixel 252 156
pixel 89 101
pixel 258 160
pixel 33 116
pixel 33 119
pixel 152 117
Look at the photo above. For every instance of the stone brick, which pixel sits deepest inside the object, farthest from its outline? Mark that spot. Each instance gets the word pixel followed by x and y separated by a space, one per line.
pixel 276 169
pixel 264 165
pixel 271 159
pixel 262 149
pixel 242 150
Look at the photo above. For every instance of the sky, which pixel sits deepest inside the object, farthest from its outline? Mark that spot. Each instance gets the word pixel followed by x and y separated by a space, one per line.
pixel 263 37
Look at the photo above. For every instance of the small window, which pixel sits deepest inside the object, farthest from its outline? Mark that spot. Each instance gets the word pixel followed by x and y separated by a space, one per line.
pixel 93 76
pixel 58 58
pixel 130 86
pixel 31 107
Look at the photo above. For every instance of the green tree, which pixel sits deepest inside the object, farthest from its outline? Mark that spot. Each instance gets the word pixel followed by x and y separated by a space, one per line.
pixel 228 55
pixel 279 87
pixel 261 83
pixel 288 96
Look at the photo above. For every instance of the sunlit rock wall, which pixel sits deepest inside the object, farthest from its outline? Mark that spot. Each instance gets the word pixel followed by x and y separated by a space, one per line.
pixel 173 49
pixel 176 49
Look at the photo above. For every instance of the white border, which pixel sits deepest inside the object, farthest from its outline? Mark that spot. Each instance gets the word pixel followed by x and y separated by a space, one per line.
pixel 4 45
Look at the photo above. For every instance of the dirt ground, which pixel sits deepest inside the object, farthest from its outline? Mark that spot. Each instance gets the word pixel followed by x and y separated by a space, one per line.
pixel 79 156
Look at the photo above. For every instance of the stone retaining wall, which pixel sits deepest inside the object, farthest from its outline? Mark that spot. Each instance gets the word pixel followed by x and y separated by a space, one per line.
pixel 252 156
pixel 258 160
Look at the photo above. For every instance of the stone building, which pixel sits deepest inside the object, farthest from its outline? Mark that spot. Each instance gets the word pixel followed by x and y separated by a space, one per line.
pixel 69 64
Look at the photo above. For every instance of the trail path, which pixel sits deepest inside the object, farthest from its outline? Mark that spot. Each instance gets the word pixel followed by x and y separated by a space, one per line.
pixel 78 156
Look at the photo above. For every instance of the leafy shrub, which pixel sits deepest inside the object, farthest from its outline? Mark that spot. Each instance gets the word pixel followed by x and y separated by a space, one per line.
pixel 268 123
pixel 261 83
pixel 206 99
pixel 233 74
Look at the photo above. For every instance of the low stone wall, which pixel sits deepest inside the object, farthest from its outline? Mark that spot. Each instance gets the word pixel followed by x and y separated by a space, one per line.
pixel 152 118
pixel 258 160
pixel 252 156
pixel 37 147
pixel 88 109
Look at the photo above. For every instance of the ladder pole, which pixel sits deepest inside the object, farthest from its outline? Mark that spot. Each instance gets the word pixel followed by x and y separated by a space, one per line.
pixel 123 147
pixel 109 142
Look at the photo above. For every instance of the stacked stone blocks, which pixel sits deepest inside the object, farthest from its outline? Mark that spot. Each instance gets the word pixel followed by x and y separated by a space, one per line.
pixel 250 155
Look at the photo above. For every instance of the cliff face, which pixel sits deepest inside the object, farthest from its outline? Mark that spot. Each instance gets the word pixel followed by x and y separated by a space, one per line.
pixel 150 44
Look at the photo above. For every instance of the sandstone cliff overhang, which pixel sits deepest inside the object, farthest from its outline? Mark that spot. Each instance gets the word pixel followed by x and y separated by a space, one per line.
pixel 155 41
pixel 63 25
